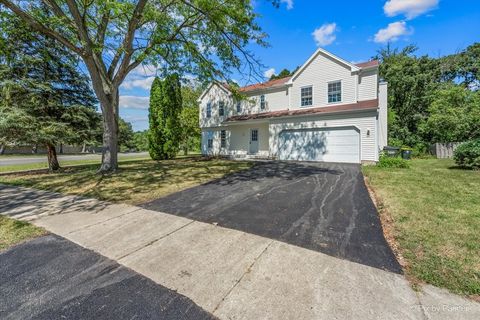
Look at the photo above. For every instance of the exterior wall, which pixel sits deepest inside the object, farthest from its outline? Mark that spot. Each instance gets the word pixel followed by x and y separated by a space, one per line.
pixel 365 122
pixel 319 73
pixel 214 96
pixel 368 85
pixel 237 140
pixel 382 116
pixel 276 99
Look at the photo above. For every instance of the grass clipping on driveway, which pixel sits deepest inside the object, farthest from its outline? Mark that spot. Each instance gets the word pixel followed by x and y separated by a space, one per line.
pixel 435 213
pixel 135 182
pixel 14 231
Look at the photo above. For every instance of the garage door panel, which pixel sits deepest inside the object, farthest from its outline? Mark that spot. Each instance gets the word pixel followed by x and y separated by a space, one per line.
pixel 329 145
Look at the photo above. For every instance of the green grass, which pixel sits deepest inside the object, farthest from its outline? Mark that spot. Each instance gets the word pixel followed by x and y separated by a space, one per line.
pixel 63 163
pixel 14 231
pixel 435 212
pixel 137 181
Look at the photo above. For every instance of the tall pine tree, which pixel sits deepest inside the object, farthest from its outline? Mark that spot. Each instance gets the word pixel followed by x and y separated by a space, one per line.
pixel 164 117
pixel 44 99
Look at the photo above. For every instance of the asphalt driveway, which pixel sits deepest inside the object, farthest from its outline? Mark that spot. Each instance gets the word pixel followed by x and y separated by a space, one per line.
pixel 323 207
pixel 52 278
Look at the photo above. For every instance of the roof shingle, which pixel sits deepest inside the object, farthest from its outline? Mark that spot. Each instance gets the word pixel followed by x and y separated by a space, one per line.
pixel 359 106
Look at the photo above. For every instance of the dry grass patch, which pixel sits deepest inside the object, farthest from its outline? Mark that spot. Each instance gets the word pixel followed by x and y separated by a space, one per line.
pixel 135 182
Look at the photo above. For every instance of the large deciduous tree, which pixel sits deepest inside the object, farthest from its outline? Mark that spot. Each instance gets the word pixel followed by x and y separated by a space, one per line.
pixel 164 117
pixel 204 38
pixel 189 119
pixel 411 81
pixel 44 99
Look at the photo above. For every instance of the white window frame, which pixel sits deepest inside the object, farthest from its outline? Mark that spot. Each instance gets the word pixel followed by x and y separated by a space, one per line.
pixel 223 138
pixel 305 87
pixel 209 110
pixel 263 102
pixel 221 106
pixel 239 107
pixel 341 91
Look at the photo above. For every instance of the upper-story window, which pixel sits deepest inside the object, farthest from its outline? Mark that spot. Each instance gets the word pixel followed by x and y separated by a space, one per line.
pixel 209 109
pixel 306 96
pixel 239 106
pixel 334 91
pixel 262 102
pixel 221 108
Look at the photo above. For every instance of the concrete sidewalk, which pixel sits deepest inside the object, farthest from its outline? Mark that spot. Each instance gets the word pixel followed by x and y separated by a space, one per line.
pixel 233 274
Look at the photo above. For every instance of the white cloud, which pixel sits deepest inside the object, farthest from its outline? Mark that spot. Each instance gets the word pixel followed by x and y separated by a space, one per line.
pixel 289 3
pixel 392 32
pixel 325 35
pixel 140 77
pixel 144 83
pixel 135 118
pixel 144 71
pixel 270 72
pixel 134 102
pixel 410 8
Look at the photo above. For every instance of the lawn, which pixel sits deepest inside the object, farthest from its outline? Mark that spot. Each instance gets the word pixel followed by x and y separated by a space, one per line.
pixel 44 164
pixel 137 181
pixel 434 213
pixel 14 231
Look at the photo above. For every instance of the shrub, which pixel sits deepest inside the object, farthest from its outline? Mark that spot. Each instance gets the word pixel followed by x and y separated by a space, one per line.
pixel 392 162
pixel 468 154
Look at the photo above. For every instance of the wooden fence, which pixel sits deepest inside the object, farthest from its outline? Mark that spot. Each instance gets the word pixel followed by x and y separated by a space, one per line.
pixel 444 150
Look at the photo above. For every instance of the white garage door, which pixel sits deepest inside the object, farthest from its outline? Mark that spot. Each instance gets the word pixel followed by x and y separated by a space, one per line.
pixel 329 145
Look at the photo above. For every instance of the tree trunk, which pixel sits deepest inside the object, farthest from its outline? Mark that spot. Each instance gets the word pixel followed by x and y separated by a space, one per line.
pixel 84 148
pixel 107 94
pixel 110 138
pixel 2 148
pixel 53 164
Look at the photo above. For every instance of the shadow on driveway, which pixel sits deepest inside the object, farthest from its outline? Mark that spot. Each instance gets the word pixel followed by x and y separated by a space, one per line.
pixel 323 207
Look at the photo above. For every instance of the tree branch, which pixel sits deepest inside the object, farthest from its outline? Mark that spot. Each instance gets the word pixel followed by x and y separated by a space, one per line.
pixel 32 22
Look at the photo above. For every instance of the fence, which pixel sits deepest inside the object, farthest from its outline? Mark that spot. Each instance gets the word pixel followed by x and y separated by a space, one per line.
pixel 444 150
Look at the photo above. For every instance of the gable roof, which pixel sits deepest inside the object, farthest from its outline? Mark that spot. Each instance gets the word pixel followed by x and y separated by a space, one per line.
pixel 350 107
pixel 289 80
pixel 328 54
pixel 265 85
pixel 221 85
pixel 368 64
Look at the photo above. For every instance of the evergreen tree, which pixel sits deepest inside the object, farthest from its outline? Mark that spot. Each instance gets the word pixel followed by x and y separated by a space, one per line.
pixel 164 117
pixel 44 99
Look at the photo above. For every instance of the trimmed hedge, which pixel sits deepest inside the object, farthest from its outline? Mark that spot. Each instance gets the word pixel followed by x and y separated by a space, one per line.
pixel 467 154
pixel 392 162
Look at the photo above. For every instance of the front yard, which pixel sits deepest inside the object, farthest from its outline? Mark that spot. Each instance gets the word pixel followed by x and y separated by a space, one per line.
pixel 434 213
pixel 137 181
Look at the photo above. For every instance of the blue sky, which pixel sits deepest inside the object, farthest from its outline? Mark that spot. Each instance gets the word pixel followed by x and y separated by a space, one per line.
pixel 353 30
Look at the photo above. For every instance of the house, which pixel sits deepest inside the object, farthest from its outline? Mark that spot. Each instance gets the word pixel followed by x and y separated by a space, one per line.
pixel 328 110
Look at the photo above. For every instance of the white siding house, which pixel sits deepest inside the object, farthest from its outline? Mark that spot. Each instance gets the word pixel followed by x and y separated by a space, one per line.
pixel 329 110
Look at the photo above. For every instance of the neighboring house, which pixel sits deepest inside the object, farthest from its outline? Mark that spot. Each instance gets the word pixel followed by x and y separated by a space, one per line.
pixel 329 110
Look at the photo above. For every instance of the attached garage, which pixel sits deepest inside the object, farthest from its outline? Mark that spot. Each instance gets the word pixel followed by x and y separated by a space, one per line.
pixel 321 144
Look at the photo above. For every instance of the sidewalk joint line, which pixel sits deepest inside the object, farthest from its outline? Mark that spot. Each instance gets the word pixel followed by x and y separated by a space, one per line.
pixel 248 270
pixel 97 223
pixel 154 241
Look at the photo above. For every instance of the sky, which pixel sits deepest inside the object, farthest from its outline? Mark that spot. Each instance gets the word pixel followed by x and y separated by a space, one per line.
pixel 352 30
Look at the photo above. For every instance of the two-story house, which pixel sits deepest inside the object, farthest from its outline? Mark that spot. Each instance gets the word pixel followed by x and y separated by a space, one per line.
pixel 329 110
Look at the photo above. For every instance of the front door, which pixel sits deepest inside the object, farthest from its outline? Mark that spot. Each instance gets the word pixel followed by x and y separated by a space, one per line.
pixel 253 141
